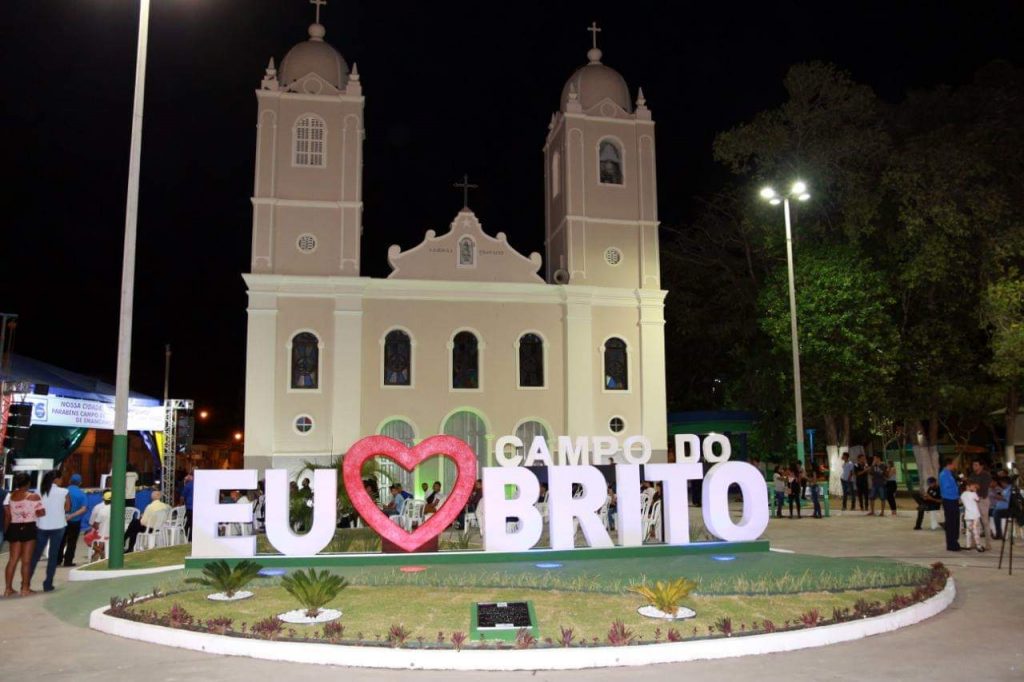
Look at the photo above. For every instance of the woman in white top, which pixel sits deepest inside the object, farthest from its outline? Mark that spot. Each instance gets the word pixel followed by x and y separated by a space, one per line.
pixel 51 526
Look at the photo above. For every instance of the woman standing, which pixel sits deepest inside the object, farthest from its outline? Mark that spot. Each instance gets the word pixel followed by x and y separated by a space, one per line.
pixel 50 528
pixel 20 515
pixel 890 487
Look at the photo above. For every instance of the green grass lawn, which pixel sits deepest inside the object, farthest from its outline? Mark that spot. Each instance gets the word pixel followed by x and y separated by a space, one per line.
pixel 369 612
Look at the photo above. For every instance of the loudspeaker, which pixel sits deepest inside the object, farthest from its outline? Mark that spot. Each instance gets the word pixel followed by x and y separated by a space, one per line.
pixel 19 418
pixel 41 389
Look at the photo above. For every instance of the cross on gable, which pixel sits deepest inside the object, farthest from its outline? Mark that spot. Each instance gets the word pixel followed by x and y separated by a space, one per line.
pixel 594 30
pixel 465 186
pixel 318 3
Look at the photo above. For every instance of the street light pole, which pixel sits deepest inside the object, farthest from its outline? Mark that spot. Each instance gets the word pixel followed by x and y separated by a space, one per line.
pixel 799 192
pixel 124 338
pixel 797 399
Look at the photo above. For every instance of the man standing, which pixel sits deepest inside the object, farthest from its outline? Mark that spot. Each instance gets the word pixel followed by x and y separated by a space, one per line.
pixel 846 478
pixel 950 492
pixel 980 474
pixel 75 517
pixel 186 499
pixel 930 501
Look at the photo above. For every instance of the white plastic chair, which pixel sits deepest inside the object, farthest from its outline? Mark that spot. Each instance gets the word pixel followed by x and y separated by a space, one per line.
pixel 470 519
pixel 174 527
pixel 412 513
pixel 603 512
pixel 652 520
pixel 154 535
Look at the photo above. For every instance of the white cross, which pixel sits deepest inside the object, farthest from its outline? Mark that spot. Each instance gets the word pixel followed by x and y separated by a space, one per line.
pixel 318 3
pixel 594 30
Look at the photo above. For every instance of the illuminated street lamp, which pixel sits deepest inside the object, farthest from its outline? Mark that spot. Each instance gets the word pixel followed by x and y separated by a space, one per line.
pixel 238 436
pixel 799 192
pixel 204 414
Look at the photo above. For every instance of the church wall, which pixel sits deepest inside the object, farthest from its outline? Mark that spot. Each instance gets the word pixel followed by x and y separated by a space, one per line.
pixel 619 202
pixel 312 184
pixel 622 323
pixel 599 237
pixel 432 324
pixel 290 222
pixel 296 315
pixel 555 160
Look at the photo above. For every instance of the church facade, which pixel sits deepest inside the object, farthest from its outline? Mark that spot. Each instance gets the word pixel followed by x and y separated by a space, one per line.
pixel 466 336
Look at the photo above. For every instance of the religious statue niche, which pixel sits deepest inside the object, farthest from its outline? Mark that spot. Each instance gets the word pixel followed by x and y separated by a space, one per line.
pixel 610 163
pixel 467 252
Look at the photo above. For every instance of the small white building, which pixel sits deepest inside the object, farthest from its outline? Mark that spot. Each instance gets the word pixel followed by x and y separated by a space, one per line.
pixel 466 336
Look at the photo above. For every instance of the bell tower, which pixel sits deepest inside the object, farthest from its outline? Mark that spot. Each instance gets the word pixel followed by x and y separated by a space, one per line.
pixel 307 193
pixel 601 209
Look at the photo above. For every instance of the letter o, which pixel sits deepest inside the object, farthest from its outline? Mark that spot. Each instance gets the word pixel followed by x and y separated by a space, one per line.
pixel 708 448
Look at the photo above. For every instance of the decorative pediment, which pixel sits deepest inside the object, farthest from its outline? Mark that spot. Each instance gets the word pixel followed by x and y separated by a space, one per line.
pixel 464 253
pixel 606 108
pixel 312 84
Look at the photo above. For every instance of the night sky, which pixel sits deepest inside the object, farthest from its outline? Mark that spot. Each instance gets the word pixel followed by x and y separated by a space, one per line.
pixel 451 87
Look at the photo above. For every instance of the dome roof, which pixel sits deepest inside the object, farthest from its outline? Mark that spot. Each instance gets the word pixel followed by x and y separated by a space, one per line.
pixel 595 82
pixel 314 56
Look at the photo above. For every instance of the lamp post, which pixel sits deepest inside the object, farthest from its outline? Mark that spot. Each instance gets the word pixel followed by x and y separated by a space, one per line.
pixel 124 337
pixel 799 192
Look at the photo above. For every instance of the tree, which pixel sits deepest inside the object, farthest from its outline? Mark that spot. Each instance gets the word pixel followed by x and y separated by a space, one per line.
pixel 1003 314
pixel 848 345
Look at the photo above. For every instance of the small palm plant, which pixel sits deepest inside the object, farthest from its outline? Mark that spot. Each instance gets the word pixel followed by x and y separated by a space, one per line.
pixel 665 595
pixel 222 577
pixel 313 590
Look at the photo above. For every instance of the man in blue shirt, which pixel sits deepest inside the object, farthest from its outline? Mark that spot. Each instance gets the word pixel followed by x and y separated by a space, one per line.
pixel 186 499
pixel 951 504
pixel 75 516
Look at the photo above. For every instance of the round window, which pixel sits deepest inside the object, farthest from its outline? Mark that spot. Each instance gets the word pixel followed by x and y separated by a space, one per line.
pixel 613 256
pixel 304 424
pixel 616 424
pixel 306 243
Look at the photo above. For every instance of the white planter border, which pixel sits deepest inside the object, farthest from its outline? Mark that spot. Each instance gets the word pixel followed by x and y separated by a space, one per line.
pixel 573 658
pixel 79 575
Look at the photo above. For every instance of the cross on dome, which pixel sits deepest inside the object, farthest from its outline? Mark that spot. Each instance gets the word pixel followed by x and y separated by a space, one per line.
pixel 594 54
pixel 318 3
pixel 465 186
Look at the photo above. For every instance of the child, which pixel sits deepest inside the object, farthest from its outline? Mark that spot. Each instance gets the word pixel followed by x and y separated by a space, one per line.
pixel 972 516
pixel 815 494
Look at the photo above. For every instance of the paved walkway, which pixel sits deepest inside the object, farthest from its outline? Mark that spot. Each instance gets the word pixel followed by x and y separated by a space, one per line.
pixel 980 637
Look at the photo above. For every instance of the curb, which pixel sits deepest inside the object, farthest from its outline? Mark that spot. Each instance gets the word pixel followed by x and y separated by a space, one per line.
pixel 79 575
pixel 574 658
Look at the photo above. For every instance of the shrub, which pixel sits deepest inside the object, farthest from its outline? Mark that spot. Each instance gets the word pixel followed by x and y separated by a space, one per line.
pixel 313 590
pixel 219 626
pixel 810 618
pixel 223 578
pixel 768 625
pixel 674 636
pixel 268 628
pixel 839 615
pixel 724 625
pixel 665 595
pixel 178 617
pixel 458 639
pixel 525 639
pixel 397 634
pixel 333 631
pixel 566 635
pixel 620 635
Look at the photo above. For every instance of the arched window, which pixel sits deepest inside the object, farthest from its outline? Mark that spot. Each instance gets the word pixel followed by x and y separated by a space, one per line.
pixel 467 252
pixel 310 144
pixel 465 361
pixel 388 471
pixel 470 428
pixel 305 361
pixel 556 176
pixel 526 432
pixel 531 361
pixel 615 365
pixel 397 359
pixel 610 162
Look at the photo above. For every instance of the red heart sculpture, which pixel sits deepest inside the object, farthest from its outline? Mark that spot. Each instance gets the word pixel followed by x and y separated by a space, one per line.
pixel 408 458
